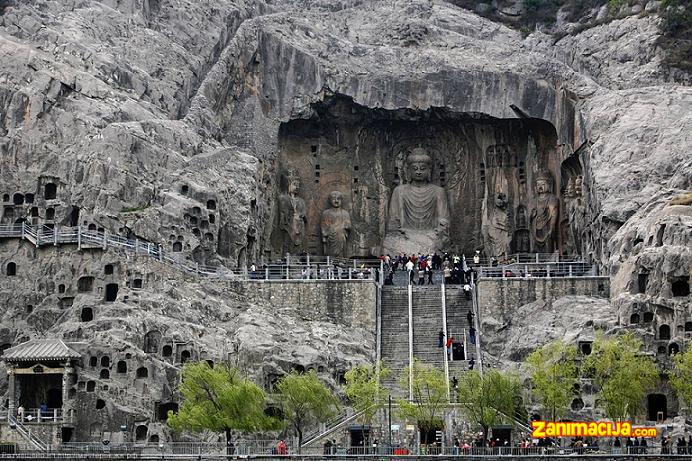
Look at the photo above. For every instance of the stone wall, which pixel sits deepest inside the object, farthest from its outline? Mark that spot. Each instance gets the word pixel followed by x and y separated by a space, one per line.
pixel 349 303
pixel 496 296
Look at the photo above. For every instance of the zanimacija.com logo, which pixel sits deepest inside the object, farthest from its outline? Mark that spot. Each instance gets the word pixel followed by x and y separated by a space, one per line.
pixel 543 429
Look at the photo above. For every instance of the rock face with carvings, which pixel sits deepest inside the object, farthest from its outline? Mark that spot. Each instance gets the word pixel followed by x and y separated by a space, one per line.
pixel 219 130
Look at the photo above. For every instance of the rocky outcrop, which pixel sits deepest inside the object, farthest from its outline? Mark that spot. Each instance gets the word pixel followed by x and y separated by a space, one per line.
pixel 160 120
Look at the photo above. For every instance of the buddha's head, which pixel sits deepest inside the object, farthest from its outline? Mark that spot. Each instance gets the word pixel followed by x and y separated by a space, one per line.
pixel 544 182
pixel 335 199
pixel 419 165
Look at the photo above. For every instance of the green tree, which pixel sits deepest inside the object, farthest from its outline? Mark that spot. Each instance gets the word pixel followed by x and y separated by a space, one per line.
pixel 365 392
pixel 429 398
pixel 681 378
pixel 488 399
pixel 623 375
pixel 220 400
pixel 305 401
pixel 554 371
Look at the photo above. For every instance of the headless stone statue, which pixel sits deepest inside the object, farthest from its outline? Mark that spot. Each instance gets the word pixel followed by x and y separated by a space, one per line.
pixel 292 216
pixel 335 226
pixel 545 215
pixel 418 211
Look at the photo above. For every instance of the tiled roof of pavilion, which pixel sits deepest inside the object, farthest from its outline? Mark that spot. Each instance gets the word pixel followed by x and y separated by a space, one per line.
pixel 40 349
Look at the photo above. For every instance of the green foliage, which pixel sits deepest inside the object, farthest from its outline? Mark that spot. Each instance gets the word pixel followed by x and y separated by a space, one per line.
pixel 676 33
pixel 615 5
pixel 220 400
pixel 681 378
pixel 488 399
pixel 429 397
pixel 364 390
pixel 553 372
pixel 305 401
pixel 623 375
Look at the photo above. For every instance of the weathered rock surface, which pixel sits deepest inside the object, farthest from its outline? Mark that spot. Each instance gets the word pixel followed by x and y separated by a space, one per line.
pixel 159 120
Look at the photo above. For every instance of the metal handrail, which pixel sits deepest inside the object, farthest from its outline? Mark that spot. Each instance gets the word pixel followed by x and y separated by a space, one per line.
pixel 304 267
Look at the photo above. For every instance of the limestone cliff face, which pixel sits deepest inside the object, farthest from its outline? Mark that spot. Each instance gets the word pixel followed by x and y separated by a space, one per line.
pixel 160 120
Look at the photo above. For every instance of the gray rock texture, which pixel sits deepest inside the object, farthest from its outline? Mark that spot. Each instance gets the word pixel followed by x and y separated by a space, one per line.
pixel 159 119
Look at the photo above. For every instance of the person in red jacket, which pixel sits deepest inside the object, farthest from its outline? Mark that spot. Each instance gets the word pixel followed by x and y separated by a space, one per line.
pixel 281 448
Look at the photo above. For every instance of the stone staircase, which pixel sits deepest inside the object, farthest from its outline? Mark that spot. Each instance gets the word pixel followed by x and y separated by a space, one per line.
pixel 394 334
pixel 427 323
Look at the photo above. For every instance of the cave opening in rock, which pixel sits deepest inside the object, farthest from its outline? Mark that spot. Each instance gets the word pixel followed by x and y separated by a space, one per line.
pixel 657 407
pixel 87 315
pixel 85 284
pixel 18 199
pixel 141 432
pixel 184 356
pixel 664 332
pixel 642 280
pixel 121 367
pixel 688 327
pixel 167 351
pixel 93 361
pixel 5 197
pixel 585 347
pixel 164 408
pixel 74 216
pixel 104 374
pixel 137 283
pixel 151 341
pixel 91 386
pixel 111 292
pixel 142 372
pixel 484 173
pixel 29 198
pixel 11 269
pixel 634 318
pixel 177 247
pixel 673 348
pixel 211 204
pixel 50 214
pixel 648 317
pixel 50 191
pixel 100 404
pixel 680 286
pixel 108 269
pixel 105 361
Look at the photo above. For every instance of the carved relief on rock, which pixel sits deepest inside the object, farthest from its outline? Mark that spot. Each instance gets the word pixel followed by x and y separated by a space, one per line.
pixel 418 210
pixel 544 215
pixel 522 239
pixel 292 215
pixel 335 226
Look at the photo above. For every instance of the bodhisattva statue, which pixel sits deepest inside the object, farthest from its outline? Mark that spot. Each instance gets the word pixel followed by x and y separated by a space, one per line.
pixel 418 210
pixel 335 226
pixel 545 215
pixel 292 216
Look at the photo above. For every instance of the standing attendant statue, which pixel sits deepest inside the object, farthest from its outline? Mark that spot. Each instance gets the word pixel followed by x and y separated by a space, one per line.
pixel 335 226
pixel 545 214
pixel 292 215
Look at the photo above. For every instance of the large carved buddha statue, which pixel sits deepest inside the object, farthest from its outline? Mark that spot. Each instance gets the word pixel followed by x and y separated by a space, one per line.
pixel 418 211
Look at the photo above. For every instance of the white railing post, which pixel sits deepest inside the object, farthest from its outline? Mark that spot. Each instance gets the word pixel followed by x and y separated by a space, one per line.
pixel 537 258
pixel 266 273
pixel 446 333
pixel 547 270
pixel 55 415
pixel 105 239
pixel 410 343
pixel 79 237
pixel 503 271
pixel 23 229
pixel 55 236
pixel 526 271
pixel 160 253
pixel 136 244
pixel 328 261
pixel 570 270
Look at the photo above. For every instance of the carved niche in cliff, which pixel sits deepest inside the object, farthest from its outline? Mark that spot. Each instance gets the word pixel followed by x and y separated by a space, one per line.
pixel 484 168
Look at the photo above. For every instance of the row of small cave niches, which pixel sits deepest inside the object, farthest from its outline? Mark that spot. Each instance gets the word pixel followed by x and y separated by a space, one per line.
pixel 200 222
pixel 679 285
pixel 664 333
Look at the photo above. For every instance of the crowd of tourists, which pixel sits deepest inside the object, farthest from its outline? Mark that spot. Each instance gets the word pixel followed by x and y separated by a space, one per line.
pixel 422 267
